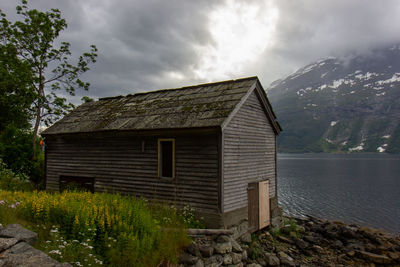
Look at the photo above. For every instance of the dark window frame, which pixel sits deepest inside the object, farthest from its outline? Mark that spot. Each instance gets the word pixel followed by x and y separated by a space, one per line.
pixel 160 157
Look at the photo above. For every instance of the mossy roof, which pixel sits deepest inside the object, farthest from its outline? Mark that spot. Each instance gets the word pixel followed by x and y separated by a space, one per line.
pixel 205 105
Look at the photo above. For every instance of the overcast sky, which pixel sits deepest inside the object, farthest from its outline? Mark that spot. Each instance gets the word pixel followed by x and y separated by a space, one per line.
pixel 154 44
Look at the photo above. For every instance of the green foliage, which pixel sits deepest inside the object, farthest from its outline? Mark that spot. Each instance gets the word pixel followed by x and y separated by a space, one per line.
pixel 289 226
pixel 13 182
pixel 255 249
pixel 16 152
pixel 189 219
pixel 32 44
pixel 89 228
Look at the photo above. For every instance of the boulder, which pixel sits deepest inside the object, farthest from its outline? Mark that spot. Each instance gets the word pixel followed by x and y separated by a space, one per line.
pixel 206 251
pixel 253 265
pixel 223 239
pixel 6 243
pixel 285 259
pixel 246 238
pixel 199 263
pixel 272 259
pixel 244 255
pixel 227 259
pixel 215 260
pixel 223 248
pixel 236 257
pixel 236 247
pixel 24 255
pixel 188 259
pixel 18 232
pixel 193 249
pixel 285 239
pixel 371 257
pixel 301 244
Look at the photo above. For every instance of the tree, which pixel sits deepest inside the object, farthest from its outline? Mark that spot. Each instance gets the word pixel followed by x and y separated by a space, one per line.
pixel 32 40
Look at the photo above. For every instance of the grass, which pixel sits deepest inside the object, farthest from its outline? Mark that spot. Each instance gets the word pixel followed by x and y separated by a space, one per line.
pixel 289 226
pixel 99 229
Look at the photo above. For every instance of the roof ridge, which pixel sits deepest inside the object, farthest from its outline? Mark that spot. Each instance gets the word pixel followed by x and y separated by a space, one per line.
pixel 180 88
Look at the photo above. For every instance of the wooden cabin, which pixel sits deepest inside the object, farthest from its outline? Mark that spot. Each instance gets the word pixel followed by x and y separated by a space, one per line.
pixel 211 146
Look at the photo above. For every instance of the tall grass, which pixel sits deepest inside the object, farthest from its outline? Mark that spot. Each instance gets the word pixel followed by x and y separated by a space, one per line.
pixel 115 230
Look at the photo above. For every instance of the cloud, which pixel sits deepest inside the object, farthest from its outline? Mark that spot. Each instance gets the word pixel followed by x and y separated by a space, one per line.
pixel 153 44
pixel 307 30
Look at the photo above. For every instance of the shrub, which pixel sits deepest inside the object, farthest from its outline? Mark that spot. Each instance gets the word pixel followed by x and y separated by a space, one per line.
pixel 13 182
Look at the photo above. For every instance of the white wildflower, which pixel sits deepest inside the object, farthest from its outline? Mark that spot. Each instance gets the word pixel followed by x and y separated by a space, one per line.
pixel 55 252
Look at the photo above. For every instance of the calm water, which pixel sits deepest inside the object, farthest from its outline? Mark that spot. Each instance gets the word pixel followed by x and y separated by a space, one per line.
pixel 362 189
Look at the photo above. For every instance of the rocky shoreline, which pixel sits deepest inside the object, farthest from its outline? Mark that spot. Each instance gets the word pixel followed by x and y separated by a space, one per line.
pixel 300 242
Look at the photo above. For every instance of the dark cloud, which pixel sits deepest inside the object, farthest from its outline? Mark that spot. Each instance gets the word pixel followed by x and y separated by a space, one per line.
pixel 151 44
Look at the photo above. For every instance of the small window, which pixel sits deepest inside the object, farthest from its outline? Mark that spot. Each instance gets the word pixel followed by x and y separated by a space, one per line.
pixel 166 158
pixel 76 183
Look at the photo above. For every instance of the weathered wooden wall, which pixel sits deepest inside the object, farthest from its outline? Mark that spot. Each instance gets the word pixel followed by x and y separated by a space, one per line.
pixel 117 163
pixel 248 153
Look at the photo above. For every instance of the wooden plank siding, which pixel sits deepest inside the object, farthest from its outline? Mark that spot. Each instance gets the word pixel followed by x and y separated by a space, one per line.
pixel 117 164
pixel 248 153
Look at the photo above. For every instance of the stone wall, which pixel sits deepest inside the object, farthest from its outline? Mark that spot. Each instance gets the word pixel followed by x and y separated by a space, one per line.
pixel 302 242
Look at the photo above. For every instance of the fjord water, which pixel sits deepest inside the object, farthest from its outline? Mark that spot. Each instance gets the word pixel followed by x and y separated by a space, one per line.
pixel 354 188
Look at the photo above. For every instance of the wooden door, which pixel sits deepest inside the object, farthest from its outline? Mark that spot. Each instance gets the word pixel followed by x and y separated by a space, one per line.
pixel 253 210
pixel 263 200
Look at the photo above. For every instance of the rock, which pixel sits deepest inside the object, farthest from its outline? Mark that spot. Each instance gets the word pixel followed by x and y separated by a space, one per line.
pixel 223 239
pixel 285 239
pixel 301 244
pixel 236 247
pixel 246 238
pixel 318 249
pixel 337 244
pixel 199 263
pixel 355 246
pixel 20 233
pixel 22 254
pixel 222 248
pixel 236 257
pixel 240 264
pixel 267 236
pixel 351 253
pixel 253 265
pixel 272 259
pixel 215 260
pixel 261 261
pixel 285 259
pixel 371 257
pixel 394 256
pixel 188 259
pixel 244 255
pixel 311 239
pixel 206 251
pixel 293 234
pixel 227 259
pixel 193 249
pixel 6 243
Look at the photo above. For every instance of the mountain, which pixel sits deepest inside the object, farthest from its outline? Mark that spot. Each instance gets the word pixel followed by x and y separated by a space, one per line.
pixel 341 104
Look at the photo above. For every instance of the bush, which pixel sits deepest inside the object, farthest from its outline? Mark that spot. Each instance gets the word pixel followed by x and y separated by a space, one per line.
pixel 13 182
pixel 17 153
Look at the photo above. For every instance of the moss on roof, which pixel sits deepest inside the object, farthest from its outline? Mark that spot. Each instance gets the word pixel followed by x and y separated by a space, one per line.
pixel 205 105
